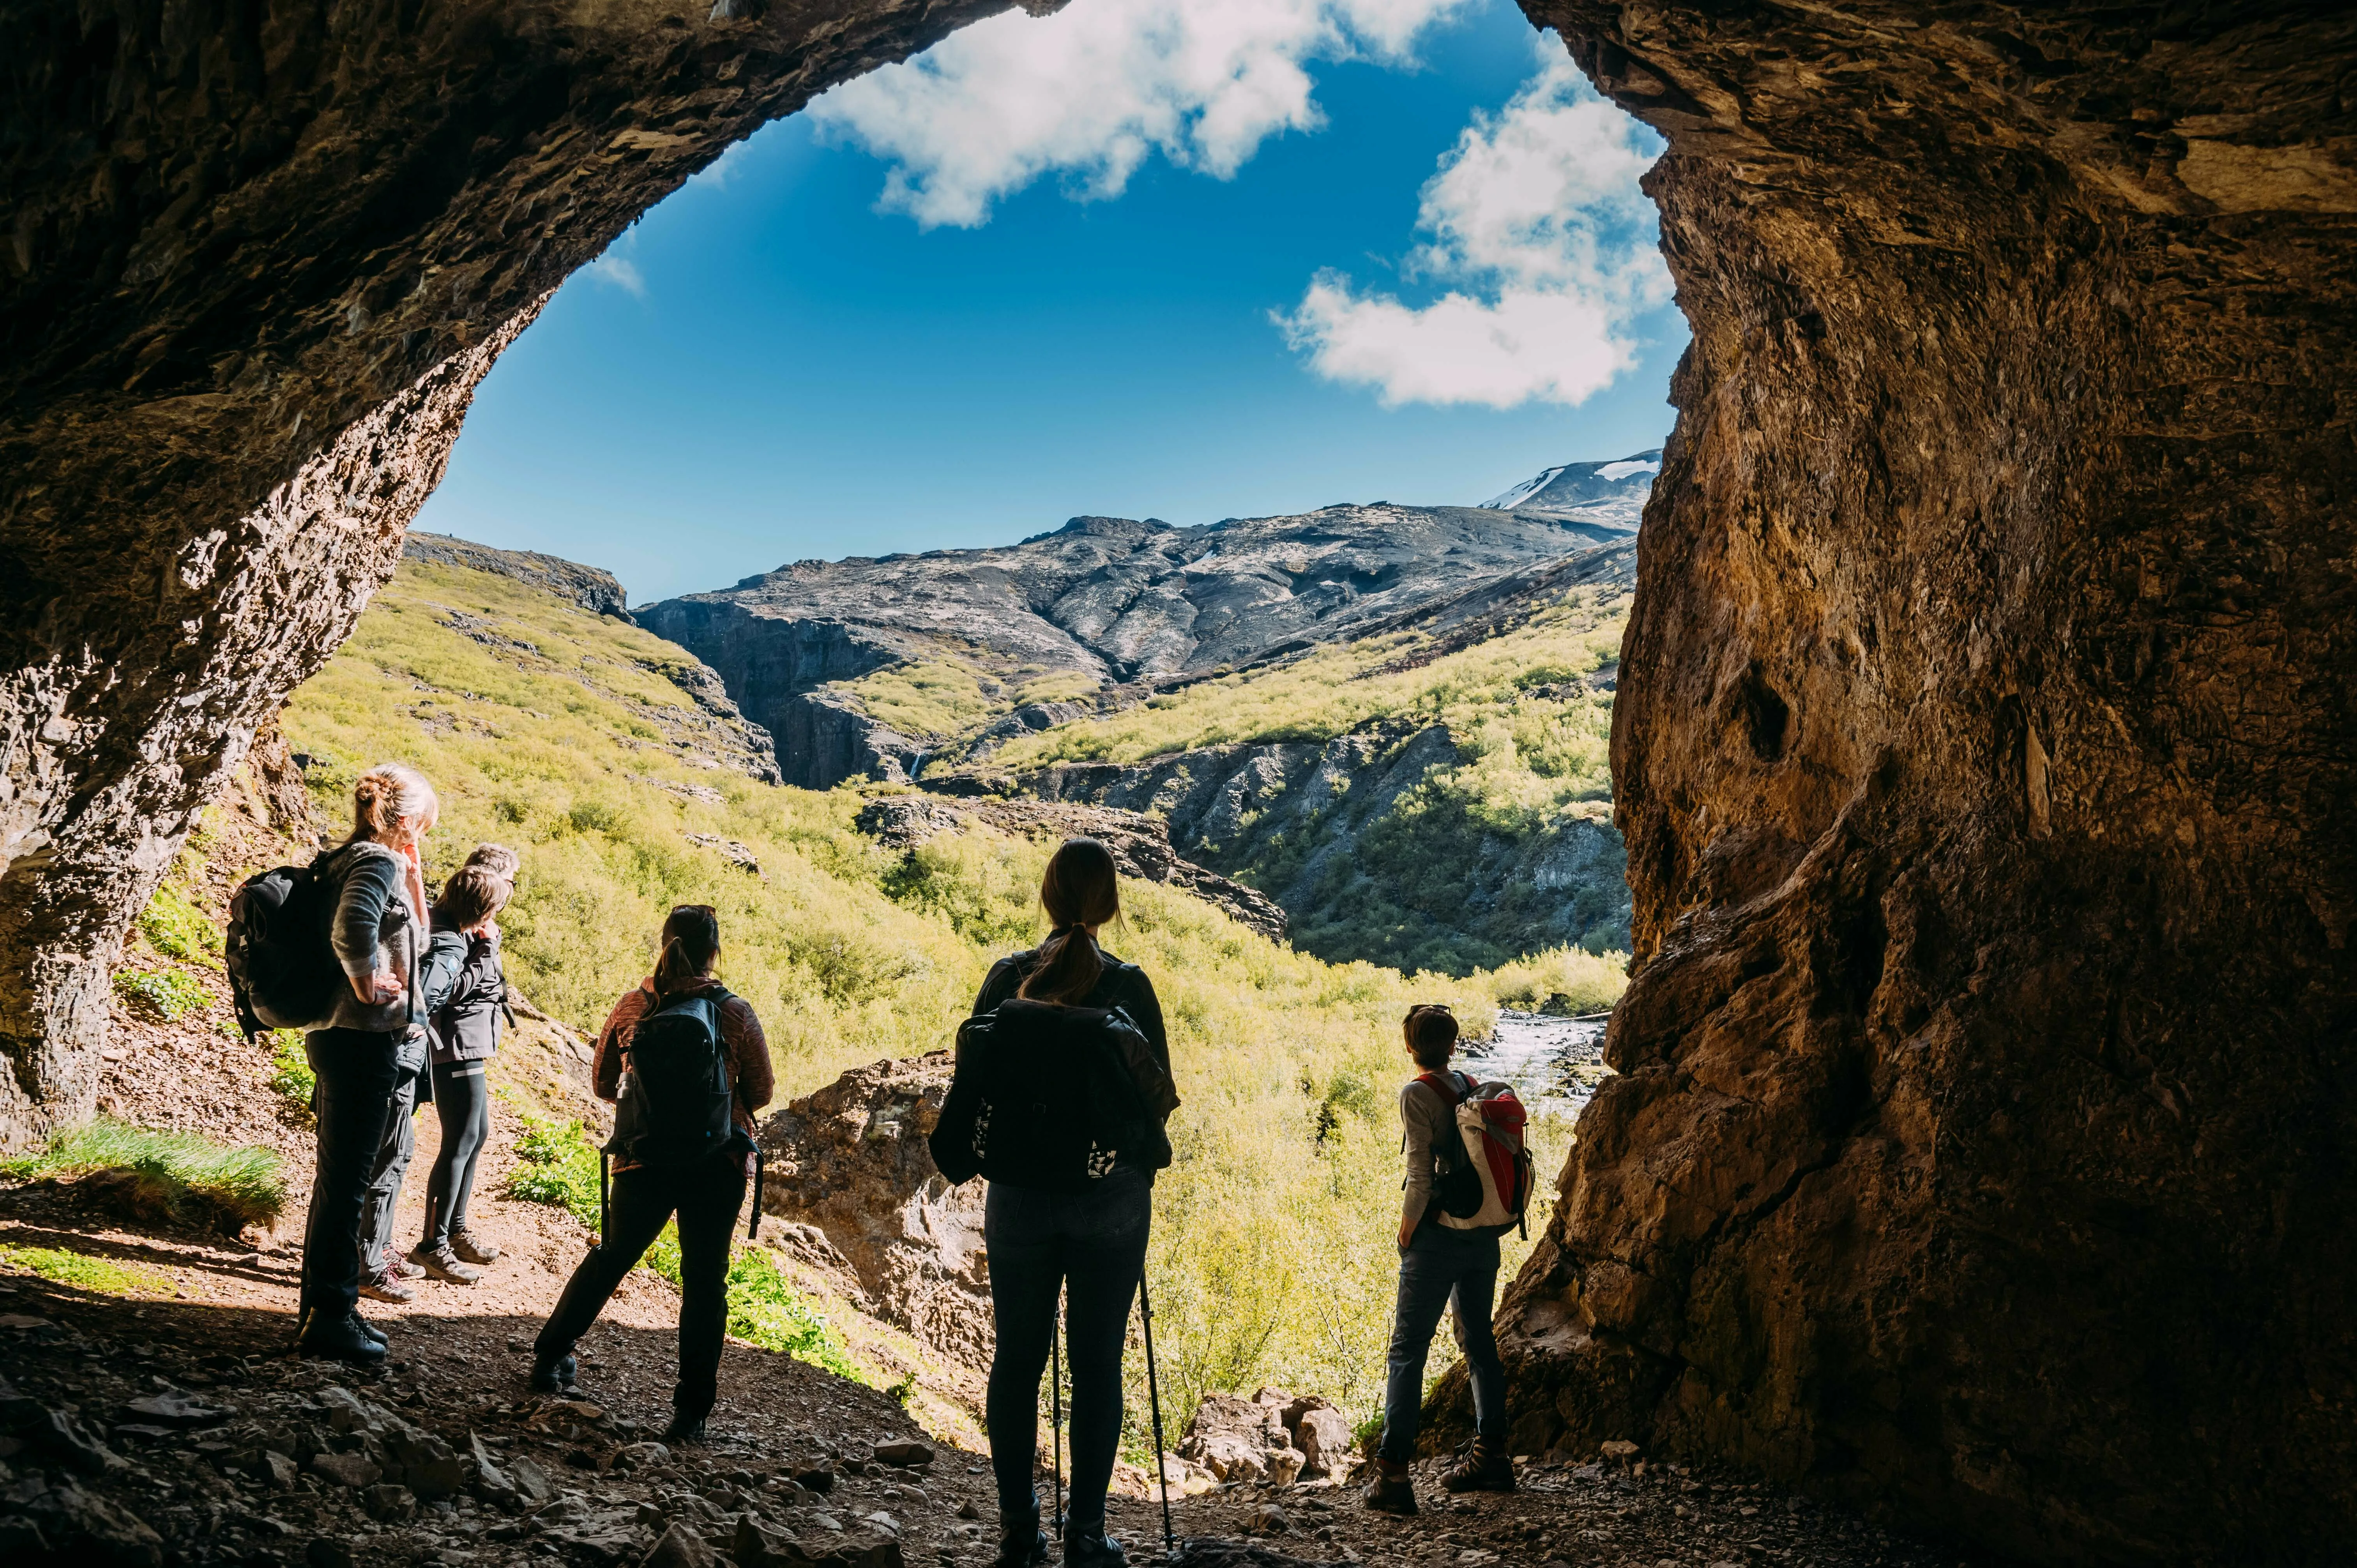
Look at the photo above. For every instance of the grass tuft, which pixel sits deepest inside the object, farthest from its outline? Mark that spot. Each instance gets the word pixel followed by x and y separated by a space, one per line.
pixel 153 1176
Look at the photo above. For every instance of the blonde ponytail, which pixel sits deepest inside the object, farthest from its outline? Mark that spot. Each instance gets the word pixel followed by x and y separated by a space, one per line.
pixel 385 795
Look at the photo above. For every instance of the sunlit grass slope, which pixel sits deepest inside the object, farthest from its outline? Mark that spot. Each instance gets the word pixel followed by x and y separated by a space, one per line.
pixel 1491 690
pixel 1273 1253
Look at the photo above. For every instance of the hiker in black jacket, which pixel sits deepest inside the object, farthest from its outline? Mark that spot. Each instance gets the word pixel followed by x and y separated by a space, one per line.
pixel 465 1032
pixel 366 1057
pixel 1092 1245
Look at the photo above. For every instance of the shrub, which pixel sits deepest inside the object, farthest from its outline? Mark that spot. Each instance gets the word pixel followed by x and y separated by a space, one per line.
pixel 178 929
pixel 161 993
pixel 291 1078
pixel 153 1176
pixel 557 1165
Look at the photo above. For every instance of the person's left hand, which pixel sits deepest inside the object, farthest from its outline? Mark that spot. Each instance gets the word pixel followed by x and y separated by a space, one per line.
pixel 1407 1235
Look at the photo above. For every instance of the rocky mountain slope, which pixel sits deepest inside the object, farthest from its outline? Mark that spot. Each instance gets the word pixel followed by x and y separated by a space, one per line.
pixel 1431 796
pixel 1099 604
pixel 997 673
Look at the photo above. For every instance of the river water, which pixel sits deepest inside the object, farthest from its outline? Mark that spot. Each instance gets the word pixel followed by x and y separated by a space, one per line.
pixel 1554 1064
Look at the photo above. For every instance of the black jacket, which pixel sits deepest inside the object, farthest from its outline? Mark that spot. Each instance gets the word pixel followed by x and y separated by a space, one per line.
pixel 1122 985
pixel 465 1026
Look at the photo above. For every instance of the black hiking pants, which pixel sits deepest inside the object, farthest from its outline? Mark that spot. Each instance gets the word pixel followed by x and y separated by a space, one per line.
pixel 707 1198
pixel 1093 1246
pixel 357 1072
pixel 462 1098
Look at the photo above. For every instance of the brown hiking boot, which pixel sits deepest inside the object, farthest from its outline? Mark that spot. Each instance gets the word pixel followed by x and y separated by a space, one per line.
pixel 387 1286
pixel 443 1265
pixel 1391 1491
pixel 472 1249
pixel 1486 1467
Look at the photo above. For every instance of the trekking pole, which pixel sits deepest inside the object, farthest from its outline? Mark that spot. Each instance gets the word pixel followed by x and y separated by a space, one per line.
pixel 1056 1415
pixel 760 1166
pixel 1154 1402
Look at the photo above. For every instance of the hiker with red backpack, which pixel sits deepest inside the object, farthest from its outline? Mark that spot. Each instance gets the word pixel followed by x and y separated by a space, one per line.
pixel 1468 1182
pixel 687 1066
pixel 1060 1091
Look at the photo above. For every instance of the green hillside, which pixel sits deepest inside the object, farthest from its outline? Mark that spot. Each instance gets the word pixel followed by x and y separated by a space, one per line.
pixel 1470 822
pixel 558 732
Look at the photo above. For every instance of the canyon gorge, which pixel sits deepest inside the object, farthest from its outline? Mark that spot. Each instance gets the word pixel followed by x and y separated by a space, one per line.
pixel 1985 735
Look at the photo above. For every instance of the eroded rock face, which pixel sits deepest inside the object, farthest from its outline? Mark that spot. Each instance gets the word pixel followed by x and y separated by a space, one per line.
pixel 850 1161
pixel 1986 744
pixel 255 266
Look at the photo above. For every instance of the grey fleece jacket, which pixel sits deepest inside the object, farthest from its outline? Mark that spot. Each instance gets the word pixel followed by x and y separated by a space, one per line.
pixel 374 929
pixel 1428 1122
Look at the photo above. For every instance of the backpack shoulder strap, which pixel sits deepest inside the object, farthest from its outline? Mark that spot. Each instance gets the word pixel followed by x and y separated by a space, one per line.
pixel 1443 1085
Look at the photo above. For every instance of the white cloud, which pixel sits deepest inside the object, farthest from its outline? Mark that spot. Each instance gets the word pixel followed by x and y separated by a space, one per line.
pixel 1537 218
pixel 1094 90
pixel 616 268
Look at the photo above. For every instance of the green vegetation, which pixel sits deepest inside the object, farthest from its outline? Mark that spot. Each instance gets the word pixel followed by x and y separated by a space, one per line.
pixel 163 994
pixel 1273 1258
pixel 184 1175
pixel 558 1166
pixel 1490 845
pixel 1488 691
pixel 291 1078
pixel 176 928
pixel 83 1271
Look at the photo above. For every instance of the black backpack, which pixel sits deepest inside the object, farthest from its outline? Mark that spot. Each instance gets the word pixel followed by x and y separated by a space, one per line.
pixel 282 972
pixel 676 1093
pixel 1047 1097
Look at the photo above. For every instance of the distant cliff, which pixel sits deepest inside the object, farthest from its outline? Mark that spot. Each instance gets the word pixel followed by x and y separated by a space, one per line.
pixel 593 590
pixel 1099 603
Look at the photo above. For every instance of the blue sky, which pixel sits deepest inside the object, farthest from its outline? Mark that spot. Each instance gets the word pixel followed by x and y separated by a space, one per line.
pixel 1309 251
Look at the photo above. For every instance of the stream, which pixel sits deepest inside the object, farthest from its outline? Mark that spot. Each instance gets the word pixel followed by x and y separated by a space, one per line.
pixel 1554 1064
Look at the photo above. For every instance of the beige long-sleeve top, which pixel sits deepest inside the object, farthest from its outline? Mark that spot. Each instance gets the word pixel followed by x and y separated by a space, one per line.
pixel 1428 1122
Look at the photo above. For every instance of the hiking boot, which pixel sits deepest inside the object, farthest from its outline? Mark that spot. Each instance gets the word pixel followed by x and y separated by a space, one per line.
pixel 685 1430
pixel 401 1268
pixel 341 1339
pixel 1392 1490
pixel 443 1263
pixel 1485 1467
pixel 387 1286
pixel 371 1329
pixel 1093 1550
pixel 463 1242
pixel 557 1374
pixel 1021 1543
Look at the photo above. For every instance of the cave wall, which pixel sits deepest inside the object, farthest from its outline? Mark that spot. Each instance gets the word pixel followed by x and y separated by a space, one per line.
pixel 1985 737
pixel 257 256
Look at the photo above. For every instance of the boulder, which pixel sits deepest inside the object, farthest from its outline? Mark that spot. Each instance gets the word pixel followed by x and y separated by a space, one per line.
pixel 1322 1432
pixel 850 1160
pixel 1239 1439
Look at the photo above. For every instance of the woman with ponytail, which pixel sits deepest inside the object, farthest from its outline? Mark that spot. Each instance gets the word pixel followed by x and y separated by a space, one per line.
pixel 658 1176
pixel 1091 1245
pixel 368 1059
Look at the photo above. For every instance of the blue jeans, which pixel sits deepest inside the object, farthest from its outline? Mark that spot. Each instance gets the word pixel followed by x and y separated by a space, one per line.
pixel 1443 1268
pixel 1093 1244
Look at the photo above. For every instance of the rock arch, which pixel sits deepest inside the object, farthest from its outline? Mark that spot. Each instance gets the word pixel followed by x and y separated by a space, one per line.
pixel 1988 729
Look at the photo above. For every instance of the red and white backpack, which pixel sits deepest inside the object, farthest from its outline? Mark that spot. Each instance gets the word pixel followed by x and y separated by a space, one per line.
pixel 1487 1185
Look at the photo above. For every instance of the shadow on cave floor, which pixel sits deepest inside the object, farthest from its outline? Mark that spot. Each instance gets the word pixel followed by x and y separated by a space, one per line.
pixel 244 1460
